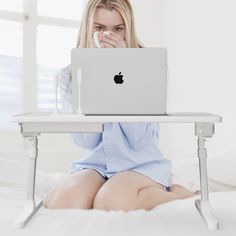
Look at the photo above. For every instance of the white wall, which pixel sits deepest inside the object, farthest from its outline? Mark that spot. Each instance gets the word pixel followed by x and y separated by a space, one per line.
pixel 200 36
pixel 149 19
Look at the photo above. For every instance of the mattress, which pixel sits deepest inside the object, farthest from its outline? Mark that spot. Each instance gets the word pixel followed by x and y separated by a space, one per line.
pixel 179 217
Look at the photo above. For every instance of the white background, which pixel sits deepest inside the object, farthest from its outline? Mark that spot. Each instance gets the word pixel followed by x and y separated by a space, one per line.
pixel 200 36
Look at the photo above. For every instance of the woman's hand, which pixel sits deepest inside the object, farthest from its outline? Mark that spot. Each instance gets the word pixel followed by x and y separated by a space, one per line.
pixel 112 40
pixel 92 42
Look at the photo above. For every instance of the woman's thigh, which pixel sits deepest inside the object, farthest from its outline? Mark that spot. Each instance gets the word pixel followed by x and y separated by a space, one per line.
pixel 122 191
pixel 75 191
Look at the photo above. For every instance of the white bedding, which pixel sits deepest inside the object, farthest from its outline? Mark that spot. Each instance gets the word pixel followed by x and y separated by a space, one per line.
pixel 178 217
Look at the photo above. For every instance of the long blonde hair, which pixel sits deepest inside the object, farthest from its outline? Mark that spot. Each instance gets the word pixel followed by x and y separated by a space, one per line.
pixel 122 6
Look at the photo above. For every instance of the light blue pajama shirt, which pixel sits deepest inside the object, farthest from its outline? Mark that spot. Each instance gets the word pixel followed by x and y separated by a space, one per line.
pixel 121 146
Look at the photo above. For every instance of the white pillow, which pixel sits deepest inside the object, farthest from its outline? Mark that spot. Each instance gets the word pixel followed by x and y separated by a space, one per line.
pixel 221 172
pixel 14 174
pixel 185 173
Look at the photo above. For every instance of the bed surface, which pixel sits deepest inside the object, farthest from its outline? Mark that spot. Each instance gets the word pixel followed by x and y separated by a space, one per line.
pixel 178 217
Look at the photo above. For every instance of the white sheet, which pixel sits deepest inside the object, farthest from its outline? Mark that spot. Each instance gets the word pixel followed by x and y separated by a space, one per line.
pixel 177 218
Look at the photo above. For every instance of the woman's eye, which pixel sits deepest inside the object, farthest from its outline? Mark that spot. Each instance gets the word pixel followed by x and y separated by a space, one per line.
pixel 119 29
pixel 99 28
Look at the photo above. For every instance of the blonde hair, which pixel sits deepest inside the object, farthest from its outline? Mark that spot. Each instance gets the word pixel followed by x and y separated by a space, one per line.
pixel 122 6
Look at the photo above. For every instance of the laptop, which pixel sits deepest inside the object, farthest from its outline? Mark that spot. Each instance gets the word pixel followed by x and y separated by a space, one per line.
pixel 119 81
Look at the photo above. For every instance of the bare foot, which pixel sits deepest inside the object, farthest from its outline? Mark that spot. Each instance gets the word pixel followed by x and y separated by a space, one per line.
pixel 181 191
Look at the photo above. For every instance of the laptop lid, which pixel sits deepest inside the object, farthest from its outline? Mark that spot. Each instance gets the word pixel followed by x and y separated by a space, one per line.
pixel 120 81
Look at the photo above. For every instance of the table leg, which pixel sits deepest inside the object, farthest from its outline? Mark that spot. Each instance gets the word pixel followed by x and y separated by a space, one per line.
pixel 31 205
pixel 204 130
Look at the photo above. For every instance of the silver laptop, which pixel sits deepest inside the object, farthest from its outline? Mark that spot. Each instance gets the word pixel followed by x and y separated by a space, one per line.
pixel 119 81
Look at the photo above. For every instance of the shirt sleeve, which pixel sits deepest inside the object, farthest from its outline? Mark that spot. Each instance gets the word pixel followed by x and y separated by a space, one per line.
pixel 141 134
pixel 83 140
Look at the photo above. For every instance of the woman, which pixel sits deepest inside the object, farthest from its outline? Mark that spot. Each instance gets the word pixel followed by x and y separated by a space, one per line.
pixel 123 168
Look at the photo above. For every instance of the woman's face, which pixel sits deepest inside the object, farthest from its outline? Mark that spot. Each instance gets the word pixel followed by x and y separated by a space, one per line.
pixel 106 20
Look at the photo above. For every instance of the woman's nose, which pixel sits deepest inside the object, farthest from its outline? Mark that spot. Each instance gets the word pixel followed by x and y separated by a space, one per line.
pixel 110 30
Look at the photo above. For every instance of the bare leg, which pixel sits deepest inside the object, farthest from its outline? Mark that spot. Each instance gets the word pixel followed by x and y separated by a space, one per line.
pixel 130 190
pixel 180 190
pixel 76 191
pixel 150 197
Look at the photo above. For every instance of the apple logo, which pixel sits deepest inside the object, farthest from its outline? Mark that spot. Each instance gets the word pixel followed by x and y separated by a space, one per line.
pixel 118 79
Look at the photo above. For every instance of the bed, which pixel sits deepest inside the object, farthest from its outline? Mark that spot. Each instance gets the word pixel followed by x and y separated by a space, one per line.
pixel 178 217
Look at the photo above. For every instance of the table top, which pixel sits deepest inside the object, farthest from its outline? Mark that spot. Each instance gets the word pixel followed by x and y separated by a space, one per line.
pixel 180 117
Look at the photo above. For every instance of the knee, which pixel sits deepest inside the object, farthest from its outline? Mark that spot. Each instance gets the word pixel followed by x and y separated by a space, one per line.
pixel 109 200
pixel 100 200
pixel 66 197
